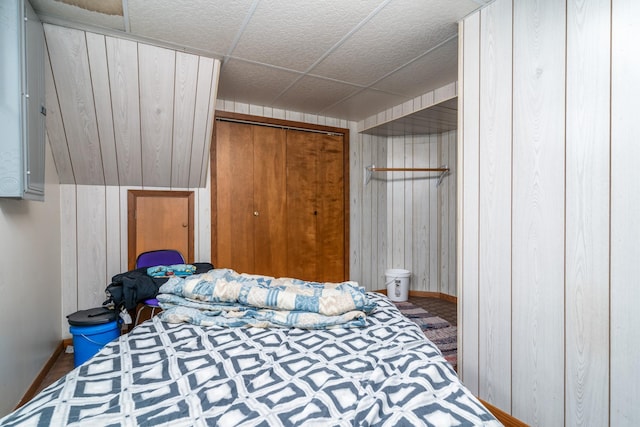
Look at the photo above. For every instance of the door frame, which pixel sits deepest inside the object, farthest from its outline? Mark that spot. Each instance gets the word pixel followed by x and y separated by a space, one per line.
pixel 132 196
pixel 286 124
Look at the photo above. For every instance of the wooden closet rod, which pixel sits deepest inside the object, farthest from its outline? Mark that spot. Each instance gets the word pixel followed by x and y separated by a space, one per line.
pixel 368 171
pixel 442 169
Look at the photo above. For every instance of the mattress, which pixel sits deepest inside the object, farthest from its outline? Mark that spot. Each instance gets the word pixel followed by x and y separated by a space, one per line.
pixel 383 374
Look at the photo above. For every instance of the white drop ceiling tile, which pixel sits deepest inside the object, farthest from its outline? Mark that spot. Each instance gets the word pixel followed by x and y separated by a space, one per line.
pixel 56 9
pixel 296 34
pixel 200 24
pixel 252 83
pixel 311 94
pixel 363 104
pixel 439 68
pixel 400 32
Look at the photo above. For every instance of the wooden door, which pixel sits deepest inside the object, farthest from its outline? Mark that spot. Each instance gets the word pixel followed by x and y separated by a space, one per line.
pixel 234 183
pixel 160 220
pixel 269 201
pixel 330 221
pixel 302 183
pixel 251 217
pixel 280 198
pixel 316 206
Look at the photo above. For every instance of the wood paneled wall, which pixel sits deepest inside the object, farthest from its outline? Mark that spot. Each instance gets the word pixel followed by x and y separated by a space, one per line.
pixel 421 214
pixel 369 239
pixel 418 216
pixel 549 193
pixel 93 223
pixel 124 113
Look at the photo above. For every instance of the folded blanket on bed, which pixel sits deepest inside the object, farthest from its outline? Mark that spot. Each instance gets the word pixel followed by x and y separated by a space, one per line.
pixel 224 297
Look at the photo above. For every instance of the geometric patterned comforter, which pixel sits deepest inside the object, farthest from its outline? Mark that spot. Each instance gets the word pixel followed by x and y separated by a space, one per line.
pixel 385 374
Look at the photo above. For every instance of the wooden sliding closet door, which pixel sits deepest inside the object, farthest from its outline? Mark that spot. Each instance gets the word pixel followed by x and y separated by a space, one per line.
pixel 315 190
pixel 331 221
pixel 280 201
pixel 234 180
pixel 302 181
pixel 250 179
pixel 269 199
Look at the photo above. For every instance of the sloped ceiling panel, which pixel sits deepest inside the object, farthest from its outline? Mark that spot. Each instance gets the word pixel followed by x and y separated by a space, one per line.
pixel 101 94
pixel 70 65
pixel 122 63
pixel 127 113
pixel 157 72
pixel 55 129
pixel 186 81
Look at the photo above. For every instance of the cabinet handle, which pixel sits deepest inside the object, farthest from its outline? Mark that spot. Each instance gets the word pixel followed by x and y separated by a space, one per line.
pixel 255 213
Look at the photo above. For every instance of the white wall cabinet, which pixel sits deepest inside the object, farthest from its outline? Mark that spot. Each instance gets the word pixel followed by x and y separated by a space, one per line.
pixel 22 101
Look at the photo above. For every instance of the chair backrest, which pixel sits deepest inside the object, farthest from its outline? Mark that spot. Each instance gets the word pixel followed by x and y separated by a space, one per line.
pixel 159 257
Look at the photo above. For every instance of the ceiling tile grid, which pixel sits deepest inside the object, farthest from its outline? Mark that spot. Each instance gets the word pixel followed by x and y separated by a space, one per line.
pixel 314 94
pixel 295 35
pixel 440 64
pixel 400 32
pixel 200 24
pixel 253 83
pixel 353 58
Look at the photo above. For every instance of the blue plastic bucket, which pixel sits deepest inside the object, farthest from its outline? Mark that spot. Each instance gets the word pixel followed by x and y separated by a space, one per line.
pixel 88 340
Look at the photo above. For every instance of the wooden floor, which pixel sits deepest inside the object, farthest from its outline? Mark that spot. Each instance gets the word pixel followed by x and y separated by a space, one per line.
pixel 439 307
pixel 62 366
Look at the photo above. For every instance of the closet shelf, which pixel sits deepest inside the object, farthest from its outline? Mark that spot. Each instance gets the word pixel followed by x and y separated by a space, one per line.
pixel 368 171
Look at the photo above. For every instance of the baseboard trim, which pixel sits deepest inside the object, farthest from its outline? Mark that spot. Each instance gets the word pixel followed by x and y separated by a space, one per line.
pixel 31 391
pixel 506 419
pixel 425 294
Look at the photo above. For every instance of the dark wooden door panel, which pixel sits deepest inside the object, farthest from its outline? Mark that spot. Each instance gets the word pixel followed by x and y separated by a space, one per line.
pixel 270 199
pixel 234 181
pixel 330 218
pixel 301 205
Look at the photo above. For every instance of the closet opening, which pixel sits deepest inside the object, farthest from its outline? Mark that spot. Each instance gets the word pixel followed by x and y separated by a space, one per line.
pixel 409 202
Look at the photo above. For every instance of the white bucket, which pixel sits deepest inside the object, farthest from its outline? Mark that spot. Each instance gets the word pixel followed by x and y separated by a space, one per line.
pixel 398 284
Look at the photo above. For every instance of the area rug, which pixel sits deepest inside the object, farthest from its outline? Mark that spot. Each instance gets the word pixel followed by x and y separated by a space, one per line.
pixel 438 330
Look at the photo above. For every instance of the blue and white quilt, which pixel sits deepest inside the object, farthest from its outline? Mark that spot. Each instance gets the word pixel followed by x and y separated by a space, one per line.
pixel 383 374
pixel 226 298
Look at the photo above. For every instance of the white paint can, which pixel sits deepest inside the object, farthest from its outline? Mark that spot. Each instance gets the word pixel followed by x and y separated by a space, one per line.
pixel 398 284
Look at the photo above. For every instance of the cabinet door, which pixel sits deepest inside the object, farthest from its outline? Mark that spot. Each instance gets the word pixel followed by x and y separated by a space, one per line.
pixel 34 112
pixel 234 198
pixel 22 149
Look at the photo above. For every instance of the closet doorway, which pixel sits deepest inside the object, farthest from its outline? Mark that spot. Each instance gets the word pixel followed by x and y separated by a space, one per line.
pixel 280 198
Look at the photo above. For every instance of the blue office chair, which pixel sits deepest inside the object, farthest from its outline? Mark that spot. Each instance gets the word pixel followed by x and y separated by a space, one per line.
pixel 152 259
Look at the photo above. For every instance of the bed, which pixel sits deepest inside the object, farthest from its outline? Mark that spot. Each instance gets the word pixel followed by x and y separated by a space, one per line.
pixel 383 372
